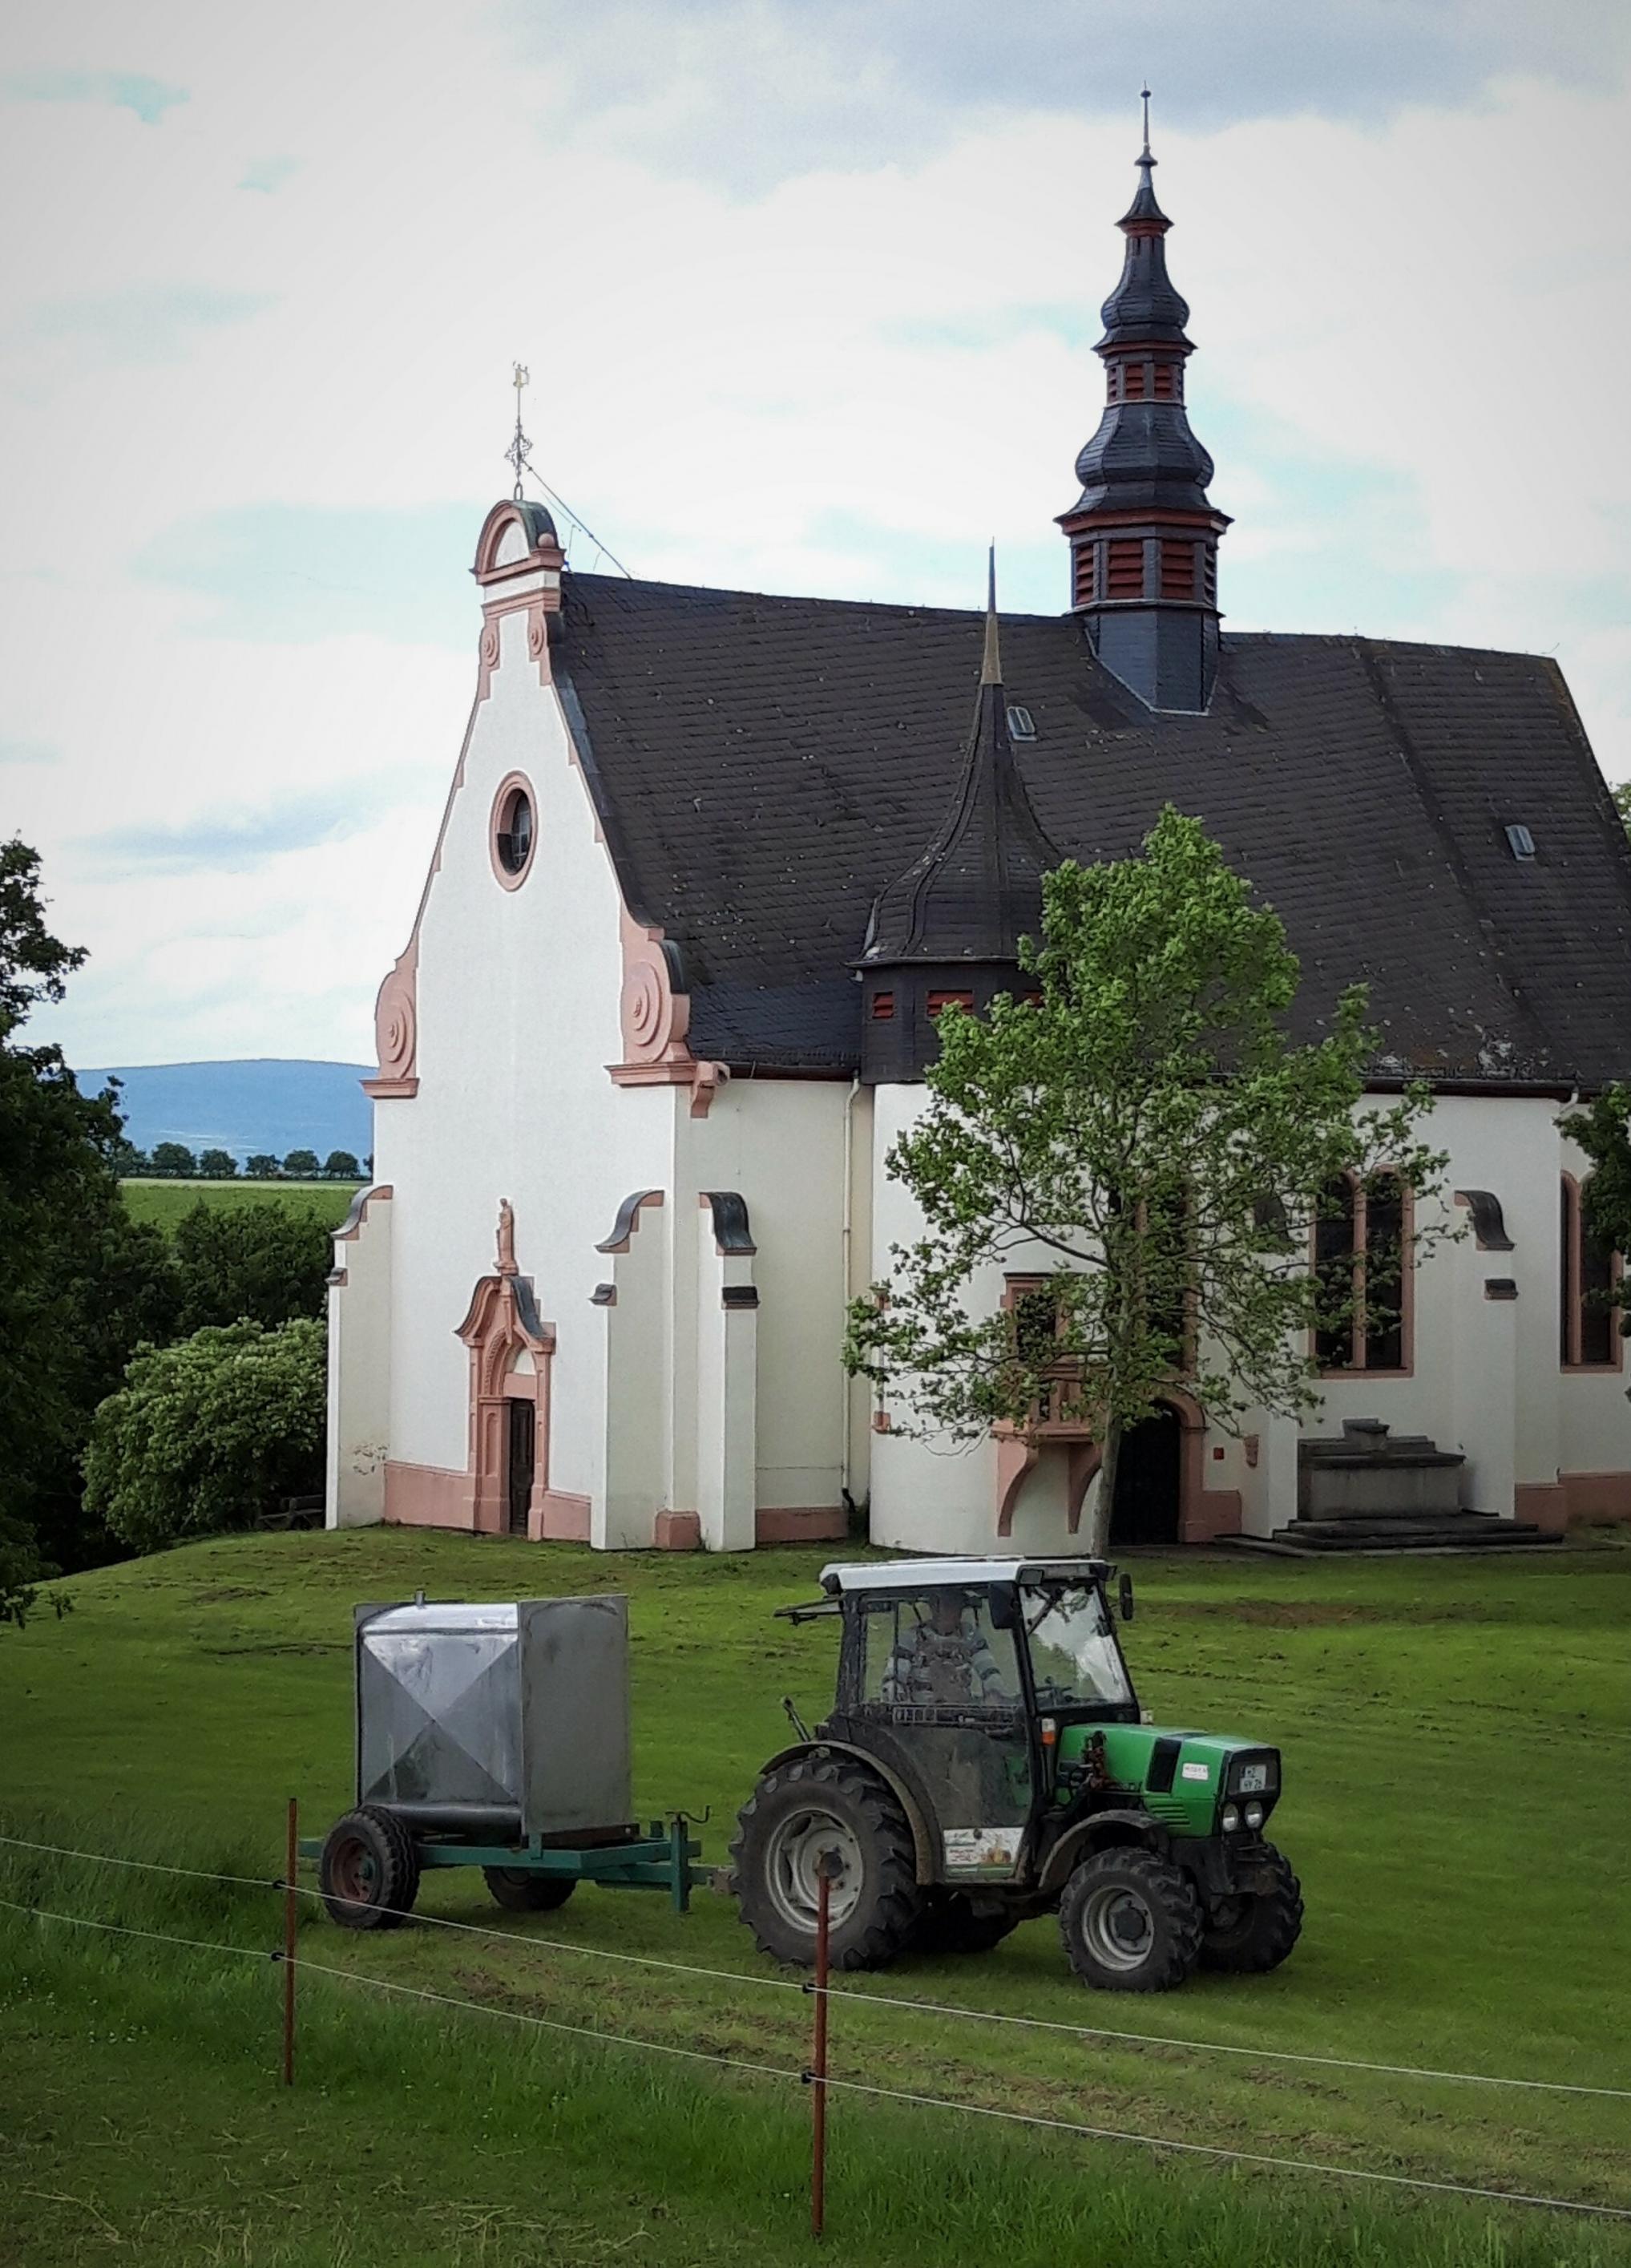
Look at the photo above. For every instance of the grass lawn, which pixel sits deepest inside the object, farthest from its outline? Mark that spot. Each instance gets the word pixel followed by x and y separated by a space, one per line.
pixel 1457 1737
pixel 163 1202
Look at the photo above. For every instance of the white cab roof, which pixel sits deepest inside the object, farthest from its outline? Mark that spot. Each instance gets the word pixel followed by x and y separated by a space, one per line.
pixel 933 1574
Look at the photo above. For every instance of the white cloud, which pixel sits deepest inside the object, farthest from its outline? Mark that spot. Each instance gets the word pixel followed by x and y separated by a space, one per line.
pixel 1411 334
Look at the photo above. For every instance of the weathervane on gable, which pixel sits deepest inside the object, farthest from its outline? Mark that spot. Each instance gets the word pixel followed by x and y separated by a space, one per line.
pixel 519 453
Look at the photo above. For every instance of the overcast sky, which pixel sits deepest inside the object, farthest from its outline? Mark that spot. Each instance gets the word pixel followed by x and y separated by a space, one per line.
pixel 808 294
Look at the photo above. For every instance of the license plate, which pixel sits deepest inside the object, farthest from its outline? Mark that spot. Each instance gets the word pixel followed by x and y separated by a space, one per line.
pixel 1254 1779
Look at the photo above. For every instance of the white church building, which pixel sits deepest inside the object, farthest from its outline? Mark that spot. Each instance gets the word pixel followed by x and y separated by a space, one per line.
pixel 710 866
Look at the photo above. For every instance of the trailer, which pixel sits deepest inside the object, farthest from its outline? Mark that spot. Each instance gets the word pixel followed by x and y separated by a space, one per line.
pixel 494 1734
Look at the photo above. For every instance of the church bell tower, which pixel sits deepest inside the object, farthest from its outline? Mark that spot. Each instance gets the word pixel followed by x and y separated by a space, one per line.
pixel 1143 536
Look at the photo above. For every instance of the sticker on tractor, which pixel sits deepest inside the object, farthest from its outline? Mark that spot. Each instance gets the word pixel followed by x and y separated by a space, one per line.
pixel 969 1847
pixel 1197 1772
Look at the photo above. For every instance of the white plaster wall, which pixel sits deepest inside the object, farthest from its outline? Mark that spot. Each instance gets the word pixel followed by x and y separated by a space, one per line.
pixel 781 1143
pixel 518 1020
pixel 359 1369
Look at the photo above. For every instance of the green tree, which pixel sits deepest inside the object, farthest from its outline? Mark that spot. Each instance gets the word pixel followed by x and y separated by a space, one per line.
pixel 341 1166
pixel 217 1165
pixel 1622 803
pixel 301 1165
pixel 210 1433
pixel 80 1282
pixel 267 1261
pixel 1142 1146
pixel 262 1168
pixel 174 1160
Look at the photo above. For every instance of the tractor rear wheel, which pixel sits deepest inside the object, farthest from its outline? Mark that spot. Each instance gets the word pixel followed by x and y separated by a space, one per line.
pixel 369 1870
pixel 1254 1934
pixel 952 1922
pixel 815 1808
pixel 1131 1922
pixel 521 1889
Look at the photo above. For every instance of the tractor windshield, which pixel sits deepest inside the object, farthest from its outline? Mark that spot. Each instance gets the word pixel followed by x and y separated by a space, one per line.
pixel 1075 1659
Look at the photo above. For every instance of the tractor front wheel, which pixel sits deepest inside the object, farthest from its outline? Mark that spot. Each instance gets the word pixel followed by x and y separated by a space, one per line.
pixel 522 1889
pixel 1251 1935
pixel 369 1870
pixel 1131 1922
pixel 826 1809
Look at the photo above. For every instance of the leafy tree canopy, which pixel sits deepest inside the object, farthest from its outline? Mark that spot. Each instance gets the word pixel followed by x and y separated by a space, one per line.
pixel 80 1283
pixel 174 1160
pixel 210 1434
pixel 1603 1130
pixel 265 1261
pixel 1142 1146
pixel 217 1165
pixel 262 1166
pixel 301 1165
pixel 341 1166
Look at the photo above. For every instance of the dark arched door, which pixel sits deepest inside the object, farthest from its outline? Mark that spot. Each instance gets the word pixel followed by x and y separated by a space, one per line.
pixel 1149 1482
pixel 520 1462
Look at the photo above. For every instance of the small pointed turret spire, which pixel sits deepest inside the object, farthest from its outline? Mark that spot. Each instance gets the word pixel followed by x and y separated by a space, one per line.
pixel 991 659
pixel 1144 209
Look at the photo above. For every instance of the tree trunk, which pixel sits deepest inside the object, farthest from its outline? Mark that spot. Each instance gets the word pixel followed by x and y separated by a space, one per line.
pixel 1104 1502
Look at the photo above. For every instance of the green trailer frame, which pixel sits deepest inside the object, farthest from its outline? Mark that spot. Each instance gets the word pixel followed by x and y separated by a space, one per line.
pixel 661 1859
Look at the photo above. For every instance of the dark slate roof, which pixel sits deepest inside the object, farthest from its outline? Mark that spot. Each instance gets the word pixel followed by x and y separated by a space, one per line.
pixel 762 765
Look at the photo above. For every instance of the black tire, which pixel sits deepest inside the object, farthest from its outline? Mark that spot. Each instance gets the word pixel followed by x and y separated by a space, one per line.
pixel 780 1834
pixel 519 1890
pixel 1130 1921
pixel 369 1872
pixel 1251 1935
pixel 952 1922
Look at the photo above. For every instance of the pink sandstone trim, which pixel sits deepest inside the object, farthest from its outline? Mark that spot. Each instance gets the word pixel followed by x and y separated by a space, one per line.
pixel 425 1496
pixel 560 1517
pixel 677 1531
pixel 1544 1503
pixel 808 1523
pixel 1596 1496
pixel 396 1028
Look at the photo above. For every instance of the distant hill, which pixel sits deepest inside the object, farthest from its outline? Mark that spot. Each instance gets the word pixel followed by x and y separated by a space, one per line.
pixel 262 1105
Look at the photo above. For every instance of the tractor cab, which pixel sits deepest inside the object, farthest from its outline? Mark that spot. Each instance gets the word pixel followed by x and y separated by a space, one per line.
pixel 962 1675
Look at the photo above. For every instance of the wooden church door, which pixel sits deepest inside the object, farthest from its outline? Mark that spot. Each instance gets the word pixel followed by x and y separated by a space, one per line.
pixel 520 1460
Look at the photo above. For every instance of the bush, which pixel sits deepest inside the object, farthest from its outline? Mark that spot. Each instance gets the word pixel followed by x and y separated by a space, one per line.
pixel 267 1262
pixel 209 1434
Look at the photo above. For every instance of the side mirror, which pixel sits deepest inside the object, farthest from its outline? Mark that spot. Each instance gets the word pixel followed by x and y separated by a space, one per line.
pixel 1004 1604
pixel 1124 1598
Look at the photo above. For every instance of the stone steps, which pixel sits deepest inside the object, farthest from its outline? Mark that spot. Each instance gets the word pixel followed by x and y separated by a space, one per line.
pixel 1436 1531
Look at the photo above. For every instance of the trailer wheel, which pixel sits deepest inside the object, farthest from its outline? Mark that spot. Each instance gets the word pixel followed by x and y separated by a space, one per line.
pixel 369 1872
pixel 1254 1934
pixel 800 1812
pixel 952 1922
pixel 1131 1922
pixel 520 1889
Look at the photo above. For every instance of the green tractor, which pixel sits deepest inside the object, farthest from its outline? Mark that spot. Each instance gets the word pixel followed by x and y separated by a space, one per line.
pixel 985 1761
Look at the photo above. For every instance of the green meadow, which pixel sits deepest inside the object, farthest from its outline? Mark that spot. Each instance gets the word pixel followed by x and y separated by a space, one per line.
pixel 163 1203
pixel 1457 1737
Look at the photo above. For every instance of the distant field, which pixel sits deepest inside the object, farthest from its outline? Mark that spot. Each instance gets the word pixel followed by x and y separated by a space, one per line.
pixel 164 1203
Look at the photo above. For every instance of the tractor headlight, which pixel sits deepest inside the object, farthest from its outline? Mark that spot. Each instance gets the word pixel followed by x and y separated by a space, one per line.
pixel 1231 1818
pixel 1254 1815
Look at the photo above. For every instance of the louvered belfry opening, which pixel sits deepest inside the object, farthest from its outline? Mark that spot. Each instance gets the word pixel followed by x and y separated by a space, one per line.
pixel 1143 534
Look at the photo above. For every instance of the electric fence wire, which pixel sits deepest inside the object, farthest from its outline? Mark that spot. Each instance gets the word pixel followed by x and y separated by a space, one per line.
pixel 880 2000
pixel 1215 2151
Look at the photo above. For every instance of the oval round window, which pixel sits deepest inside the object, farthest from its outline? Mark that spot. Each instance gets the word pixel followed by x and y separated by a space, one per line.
pixel 512 832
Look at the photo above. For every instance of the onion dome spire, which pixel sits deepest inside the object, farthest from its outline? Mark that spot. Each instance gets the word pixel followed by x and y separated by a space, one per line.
pixel 1144 534
pixel 949 926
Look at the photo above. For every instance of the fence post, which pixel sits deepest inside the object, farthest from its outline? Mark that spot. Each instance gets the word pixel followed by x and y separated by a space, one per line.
pixel 291 1868
pixel 826 1867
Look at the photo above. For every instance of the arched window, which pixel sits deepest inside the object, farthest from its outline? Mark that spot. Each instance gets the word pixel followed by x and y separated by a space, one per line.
pixel 1589 1269
pixel 1361 1256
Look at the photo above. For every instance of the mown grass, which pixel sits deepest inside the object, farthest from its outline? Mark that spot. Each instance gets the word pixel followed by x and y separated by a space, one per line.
pixel 163 1203
pixel 1456 1736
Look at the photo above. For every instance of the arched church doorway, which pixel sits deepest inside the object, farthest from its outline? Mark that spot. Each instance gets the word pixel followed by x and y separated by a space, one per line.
pixel 520 1460
pixel 1149 1501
